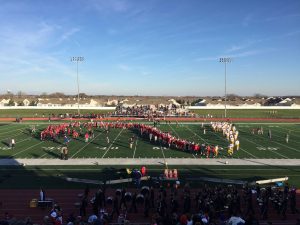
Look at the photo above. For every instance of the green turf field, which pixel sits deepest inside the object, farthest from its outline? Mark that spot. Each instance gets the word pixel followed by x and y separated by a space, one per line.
pixel 252 146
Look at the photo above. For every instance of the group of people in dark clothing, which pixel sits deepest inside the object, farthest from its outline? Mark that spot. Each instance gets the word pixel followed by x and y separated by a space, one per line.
pixel 205 205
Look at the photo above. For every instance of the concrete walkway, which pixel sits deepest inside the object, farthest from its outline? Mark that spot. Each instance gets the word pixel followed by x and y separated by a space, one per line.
pixel 150 161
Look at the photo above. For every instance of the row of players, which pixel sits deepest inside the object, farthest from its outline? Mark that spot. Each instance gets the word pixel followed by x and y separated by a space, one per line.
pixel 230 132
pixel 153 134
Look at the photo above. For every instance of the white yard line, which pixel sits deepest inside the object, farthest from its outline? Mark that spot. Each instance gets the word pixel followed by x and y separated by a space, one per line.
pixel 248 153
pixel 47 152
pixel 298 131
pixel 23 140
pixel 297 150
pixel 6 128
pixel 189 129
pixel 272 140
pixel 85 145
pixel 264 147
pixel 27 148
pixel 290 139
pixel 11 136
pixel 174 131
pixel 162 151
pixel 11 132
pixel 112 144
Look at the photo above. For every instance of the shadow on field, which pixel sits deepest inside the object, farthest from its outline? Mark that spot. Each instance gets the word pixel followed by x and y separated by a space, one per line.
pixel 6 143
pixel 273 166
pixel 51 153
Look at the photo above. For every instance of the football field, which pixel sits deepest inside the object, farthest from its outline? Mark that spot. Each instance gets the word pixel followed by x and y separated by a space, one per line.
pixel 252 146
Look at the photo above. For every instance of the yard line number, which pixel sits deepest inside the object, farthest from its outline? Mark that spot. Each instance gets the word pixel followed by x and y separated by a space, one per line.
pixel 267 148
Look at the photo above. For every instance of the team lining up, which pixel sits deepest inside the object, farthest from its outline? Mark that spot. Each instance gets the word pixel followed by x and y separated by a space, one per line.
pixel 152 133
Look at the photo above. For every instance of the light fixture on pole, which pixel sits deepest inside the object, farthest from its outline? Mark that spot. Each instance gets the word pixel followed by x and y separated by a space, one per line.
pixel 225 61
pixel 77 59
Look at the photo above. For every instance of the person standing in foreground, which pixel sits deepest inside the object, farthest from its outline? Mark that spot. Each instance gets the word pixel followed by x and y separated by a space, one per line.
pixel 13 143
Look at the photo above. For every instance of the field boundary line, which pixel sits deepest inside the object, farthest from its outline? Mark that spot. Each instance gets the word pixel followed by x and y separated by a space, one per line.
pixel 85 145
pixel 154 161
pixel 112 143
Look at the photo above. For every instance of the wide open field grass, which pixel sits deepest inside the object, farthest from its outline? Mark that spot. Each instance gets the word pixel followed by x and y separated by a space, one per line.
pixel 252 145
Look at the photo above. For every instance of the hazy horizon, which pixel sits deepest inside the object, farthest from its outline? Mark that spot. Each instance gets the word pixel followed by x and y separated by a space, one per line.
pixel 150 48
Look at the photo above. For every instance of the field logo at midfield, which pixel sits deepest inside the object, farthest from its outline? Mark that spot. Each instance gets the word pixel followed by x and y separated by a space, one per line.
pixel 267 148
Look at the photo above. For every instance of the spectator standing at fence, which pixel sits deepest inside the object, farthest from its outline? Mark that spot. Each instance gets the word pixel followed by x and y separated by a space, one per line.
pixel 42 195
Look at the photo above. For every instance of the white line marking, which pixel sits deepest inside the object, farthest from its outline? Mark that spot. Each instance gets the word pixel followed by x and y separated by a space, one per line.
pixel 27 148
pixel 112 143
pixel 272 140
pixel 265 147
pixel 85 145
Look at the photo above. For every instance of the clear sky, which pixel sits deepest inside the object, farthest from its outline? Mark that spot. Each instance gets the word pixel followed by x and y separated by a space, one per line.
pixel 150 47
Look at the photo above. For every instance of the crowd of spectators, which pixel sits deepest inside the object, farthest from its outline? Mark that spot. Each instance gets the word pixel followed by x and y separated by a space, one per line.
pixel 152 111
pixel 175 205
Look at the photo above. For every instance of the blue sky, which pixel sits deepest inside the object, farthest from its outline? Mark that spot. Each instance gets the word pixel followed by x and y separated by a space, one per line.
pixel 150 47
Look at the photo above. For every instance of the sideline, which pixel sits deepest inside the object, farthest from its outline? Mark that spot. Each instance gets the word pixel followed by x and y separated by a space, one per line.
pixel 150 161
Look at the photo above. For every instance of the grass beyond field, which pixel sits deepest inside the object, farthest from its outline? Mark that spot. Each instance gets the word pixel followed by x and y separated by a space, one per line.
pixel 250 113
pixel 11 113
pixel 252 146
pixel 216 113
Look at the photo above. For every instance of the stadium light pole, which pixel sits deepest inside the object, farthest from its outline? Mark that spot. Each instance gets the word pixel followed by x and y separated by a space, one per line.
pixel 225 61
pixel 77 59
